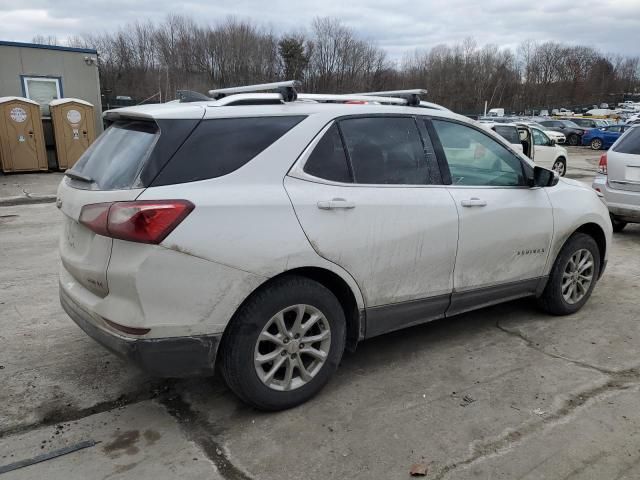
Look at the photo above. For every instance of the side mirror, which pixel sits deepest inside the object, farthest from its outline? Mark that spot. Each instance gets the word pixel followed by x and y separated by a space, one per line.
pixel 543 177
pixel 552 141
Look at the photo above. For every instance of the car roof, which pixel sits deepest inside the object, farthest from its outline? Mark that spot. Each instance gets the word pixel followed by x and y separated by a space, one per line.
pixel 210 109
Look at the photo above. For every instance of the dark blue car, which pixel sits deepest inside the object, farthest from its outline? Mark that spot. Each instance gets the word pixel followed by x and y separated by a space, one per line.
pixel 603 137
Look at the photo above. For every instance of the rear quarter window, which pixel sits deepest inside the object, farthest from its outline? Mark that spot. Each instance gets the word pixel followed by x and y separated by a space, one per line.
pixel 629 142
pixel 220 146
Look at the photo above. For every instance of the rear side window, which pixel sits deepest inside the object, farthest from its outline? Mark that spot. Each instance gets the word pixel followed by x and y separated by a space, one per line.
pixel 114 160
pixel 629 142
pixel 220 146
pixel 328 159
pixel 386 150
pixel 508 133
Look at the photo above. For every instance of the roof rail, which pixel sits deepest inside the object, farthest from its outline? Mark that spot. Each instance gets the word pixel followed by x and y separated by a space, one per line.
pixel 286 89
pixel 350 97
pixel 187 96
pixel 411 96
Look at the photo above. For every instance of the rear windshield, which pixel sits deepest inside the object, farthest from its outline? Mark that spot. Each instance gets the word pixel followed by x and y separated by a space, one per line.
pixel 509 133
pixel 629 142
pixel 116 157
pixel 220 146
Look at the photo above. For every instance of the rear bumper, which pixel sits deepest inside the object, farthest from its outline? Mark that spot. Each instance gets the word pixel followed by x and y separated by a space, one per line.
pixel 623 204
pixel 161 357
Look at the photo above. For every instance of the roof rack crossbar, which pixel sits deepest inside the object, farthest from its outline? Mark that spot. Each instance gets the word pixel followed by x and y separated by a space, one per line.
pixel 286 89
pixel 412 96
pixel 351 97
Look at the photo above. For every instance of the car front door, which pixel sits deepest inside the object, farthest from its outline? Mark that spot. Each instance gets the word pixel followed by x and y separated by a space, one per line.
pixel 545 149
pixel 368 195
pixel 505 226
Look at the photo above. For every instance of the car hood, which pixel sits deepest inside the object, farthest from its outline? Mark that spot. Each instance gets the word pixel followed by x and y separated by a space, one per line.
pixel 575 183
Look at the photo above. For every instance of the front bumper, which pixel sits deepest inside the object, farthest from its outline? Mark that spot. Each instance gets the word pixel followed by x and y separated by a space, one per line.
pixel 191 356
pixel 622 204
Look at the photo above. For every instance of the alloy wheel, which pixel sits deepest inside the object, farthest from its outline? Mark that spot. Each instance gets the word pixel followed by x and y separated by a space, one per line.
pixel 573 139
pixel 292 347
pixel 596 144
pixel 559 167
pixel 577 276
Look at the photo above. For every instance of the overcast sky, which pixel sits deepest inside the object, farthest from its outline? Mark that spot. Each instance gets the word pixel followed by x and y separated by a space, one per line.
pixel 396 25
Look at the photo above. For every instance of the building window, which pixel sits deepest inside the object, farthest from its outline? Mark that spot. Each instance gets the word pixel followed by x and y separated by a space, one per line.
pixel 42 90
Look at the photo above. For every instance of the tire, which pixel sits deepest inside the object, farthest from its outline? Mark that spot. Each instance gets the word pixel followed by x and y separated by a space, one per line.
pixel 618 225
pixel 560 166
pixel 573 139
pixel 596 144
pixel 241 349
pixel 552 299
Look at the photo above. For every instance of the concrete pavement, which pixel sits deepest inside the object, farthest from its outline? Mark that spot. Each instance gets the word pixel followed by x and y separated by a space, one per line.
pixel 29 188
pixel 505 392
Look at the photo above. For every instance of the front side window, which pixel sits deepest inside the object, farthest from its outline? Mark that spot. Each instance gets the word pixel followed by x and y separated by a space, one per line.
pixel 476 159
pixel 540 138
pixel 386 150
pixel 328 160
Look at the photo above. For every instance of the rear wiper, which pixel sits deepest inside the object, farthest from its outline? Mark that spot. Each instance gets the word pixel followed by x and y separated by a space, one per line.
pixel 77 176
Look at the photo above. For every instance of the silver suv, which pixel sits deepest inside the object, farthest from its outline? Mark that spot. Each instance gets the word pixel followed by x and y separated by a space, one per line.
pixel 619 179
pixel 267 232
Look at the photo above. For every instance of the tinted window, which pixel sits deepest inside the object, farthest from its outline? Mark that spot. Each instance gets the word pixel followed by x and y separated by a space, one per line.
pixel 629 142
pixel 386 150
pixel 509 133
pixel 218 147
pixel 615 129
pixel 476 159
pixel 328 159
pixel 116 157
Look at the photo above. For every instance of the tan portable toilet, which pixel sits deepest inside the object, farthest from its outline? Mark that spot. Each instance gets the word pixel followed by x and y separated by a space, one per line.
pixel 22 146
pixel 74 129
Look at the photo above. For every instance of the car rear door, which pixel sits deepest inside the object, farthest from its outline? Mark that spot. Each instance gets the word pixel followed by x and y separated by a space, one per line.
pixel 623 167
pixel 505 226
pixel 368 194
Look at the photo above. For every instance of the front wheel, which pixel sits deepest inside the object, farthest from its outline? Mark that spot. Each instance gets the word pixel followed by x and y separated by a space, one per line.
pixel 560 166
pixel 573 276
pixel 284 343
pixel 596 144
pixel 573 139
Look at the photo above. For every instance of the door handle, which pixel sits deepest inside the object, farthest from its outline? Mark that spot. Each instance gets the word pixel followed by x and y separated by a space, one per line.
pixel 335 203
pixel 474 202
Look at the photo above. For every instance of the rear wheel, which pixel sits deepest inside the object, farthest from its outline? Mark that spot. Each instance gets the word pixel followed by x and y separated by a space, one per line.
pixel 560 166
pixel 596 144
pixel 572 277
pixel 284 343
pixel 618 225
pixel 573 139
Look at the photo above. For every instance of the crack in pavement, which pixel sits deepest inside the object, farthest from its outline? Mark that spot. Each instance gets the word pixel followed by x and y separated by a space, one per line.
pixel 54 417
pixel 200 431
pixel 617 381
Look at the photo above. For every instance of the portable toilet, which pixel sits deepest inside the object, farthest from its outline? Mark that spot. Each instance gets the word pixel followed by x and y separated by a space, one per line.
pixel 74 129
pixel 21 139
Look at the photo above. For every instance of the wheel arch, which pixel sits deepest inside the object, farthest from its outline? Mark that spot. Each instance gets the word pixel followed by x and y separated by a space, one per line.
pixel 596 232
pixel 350 300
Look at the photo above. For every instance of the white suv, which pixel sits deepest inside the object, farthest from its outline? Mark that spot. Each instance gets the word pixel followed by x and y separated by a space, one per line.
pixel 266 236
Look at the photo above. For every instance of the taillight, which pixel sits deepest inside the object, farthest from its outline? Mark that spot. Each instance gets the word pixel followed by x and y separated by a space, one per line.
pixel 602 166
pixel 145 221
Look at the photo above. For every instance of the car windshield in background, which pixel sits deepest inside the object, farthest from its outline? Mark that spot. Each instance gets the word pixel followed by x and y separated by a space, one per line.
pixel 115 159
pixel 569 123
